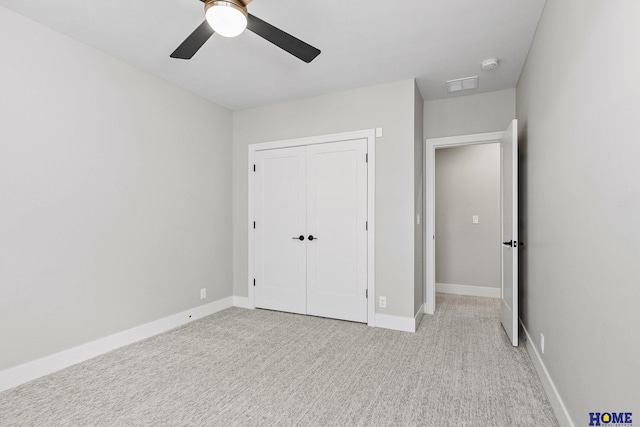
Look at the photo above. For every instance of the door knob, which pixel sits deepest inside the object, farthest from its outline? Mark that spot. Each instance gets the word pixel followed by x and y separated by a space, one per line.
pixel 298 238
pixel 312 238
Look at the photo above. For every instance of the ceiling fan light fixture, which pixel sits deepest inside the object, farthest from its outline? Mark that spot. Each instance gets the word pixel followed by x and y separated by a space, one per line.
pixel 227 18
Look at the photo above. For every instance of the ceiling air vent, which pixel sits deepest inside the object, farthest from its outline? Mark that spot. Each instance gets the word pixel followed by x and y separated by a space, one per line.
pixel 462 84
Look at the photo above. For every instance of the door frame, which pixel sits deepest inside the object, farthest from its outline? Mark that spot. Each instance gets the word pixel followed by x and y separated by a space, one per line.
pixel 431 144
pixel 370 136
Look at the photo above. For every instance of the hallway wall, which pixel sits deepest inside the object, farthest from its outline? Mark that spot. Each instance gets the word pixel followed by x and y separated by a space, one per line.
pixel 468 184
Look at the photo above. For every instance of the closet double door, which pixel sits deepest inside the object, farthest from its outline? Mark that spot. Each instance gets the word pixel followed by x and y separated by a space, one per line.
pixel 310 250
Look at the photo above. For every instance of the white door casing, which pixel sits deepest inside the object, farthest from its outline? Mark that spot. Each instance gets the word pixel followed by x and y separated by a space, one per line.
pixel 509 227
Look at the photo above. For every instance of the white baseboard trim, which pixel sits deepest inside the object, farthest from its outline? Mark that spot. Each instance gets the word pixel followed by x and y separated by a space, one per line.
pixel 547 383
pixel 418 317
pixel 30 371
pixel 397 323
pixel 476 291
pixel 242 302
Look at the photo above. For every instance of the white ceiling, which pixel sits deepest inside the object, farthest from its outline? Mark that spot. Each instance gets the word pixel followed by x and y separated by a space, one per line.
pixel 363 42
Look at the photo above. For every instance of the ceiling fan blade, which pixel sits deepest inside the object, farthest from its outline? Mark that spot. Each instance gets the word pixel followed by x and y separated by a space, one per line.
pixel 190 46
pixel 283 40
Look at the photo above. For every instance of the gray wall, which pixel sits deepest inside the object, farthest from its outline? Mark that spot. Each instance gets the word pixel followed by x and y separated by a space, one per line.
pixel 578 103
pixel 462 115
pixel 390 106
pixel 116 195
pixel 418 161
pixel 467 184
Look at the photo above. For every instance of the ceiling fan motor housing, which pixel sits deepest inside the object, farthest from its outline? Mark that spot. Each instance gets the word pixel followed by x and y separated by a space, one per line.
pixel 235 4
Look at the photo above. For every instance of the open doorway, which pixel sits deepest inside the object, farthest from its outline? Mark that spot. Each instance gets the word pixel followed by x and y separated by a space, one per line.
pixel 430 177
pixel 508 240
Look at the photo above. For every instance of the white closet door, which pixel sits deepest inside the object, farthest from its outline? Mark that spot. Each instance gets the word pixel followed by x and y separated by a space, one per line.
pixel 280 211
pixel 336 218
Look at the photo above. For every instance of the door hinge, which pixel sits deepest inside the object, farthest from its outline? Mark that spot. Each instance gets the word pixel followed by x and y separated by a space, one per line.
pixel 366 225
pixel 366 293
pixel 366 157
pixel 254 225
pixel 254 168
pixel 254 282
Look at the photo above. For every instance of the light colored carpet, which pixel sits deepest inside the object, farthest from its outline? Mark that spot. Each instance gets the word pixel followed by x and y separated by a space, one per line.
pixel 256 367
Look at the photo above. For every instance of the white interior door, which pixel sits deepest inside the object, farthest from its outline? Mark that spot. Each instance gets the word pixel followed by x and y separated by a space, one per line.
pixel 510 242
pixel 280 209
pixel 310 250
pixel 337 220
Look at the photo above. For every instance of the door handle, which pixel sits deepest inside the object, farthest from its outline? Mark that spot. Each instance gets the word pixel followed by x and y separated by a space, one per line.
pixel 510 243
pixel 298 238
pixel 312 238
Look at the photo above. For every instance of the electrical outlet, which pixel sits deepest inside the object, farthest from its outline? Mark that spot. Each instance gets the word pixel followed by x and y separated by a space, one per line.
pixel 203 293
pixel 542 343
pixel 475 219
pixel 383 302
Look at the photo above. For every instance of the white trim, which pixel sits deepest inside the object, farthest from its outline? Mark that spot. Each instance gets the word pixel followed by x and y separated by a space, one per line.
pixel 397 323
pixel 371 215
pixel 429 184
pixel 242 302
pixel 250 219
pixel 418 317
pixel 472 139
pixel 559 408
pixel 370 136
pixel 320 139
pixel 30 371
pixel 476 291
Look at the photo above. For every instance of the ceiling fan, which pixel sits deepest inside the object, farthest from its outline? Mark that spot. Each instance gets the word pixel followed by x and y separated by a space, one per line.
pixel 229 18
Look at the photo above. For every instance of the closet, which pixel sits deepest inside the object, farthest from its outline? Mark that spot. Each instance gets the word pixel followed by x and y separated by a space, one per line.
pixel 310 229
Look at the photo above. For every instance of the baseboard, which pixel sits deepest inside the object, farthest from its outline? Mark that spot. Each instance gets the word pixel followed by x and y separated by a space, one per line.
pixel 242 302
pixel 29 371
pixel 475 291
pixel 418 317
pixel 397 323
pixel 557 404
